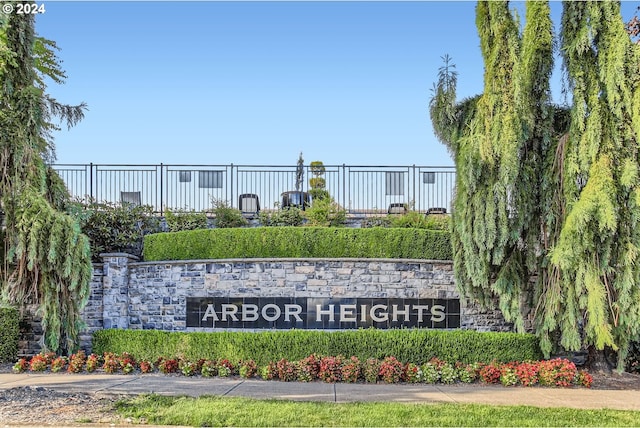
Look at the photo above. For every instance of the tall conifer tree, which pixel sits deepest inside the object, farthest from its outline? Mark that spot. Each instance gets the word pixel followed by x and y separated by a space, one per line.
pixel 594 263
pixel 498 141
pixel 46 259
pixel 547 200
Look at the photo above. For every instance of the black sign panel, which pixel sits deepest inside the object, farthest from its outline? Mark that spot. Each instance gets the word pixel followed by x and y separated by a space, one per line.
pixel 321 313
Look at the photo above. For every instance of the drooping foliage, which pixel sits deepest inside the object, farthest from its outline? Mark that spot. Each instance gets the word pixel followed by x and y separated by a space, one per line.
pixel 498 141
pixel 546 202
pixel 46 259
pixel 595 261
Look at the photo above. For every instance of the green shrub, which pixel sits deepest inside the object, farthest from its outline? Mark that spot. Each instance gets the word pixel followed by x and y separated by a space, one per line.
pixel 418 220
pixel 289 216
pixel 9 334
pixel 304 242
pixel 412 219
pixel 226 216
pixel 114 228
pixel 376 221
pixel 326 212
pixel 417 346
pixel 185 220
pixel 318 194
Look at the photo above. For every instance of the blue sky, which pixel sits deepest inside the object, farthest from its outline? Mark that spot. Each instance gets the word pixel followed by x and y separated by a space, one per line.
pixel 256 83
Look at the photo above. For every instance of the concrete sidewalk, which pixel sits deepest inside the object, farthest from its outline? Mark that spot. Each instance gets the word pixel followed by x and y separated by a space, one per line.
pixel 318 391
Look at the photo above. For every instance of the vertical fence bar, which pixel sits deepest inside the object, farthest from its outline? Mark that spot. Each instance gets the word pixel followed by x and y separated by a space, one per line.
pixel 161 188
pixel 233 205
pixel 91 181
pixel 344 189
pixel 412 197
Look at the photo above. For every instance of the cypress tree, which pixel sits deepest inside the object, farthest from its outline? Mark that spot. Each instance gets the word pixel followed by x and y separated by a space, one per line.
pixel 46 259
pixel 547 198
pixel 594 261
pixel 498 141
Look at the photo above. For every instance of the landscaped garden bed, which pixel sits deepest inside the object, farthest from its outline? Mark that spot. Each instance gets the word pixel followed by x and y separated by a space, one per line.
pixel 331 369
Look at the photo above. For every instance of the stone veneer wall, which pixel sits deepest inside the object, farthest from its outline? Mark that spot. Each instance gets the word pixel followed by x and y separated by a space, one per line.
pixel 129 294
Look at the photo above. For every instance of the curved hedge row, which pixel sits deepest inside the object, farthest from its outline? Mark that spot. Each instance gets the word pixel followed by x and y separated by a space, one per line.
pixel 417 346
pixel 298 242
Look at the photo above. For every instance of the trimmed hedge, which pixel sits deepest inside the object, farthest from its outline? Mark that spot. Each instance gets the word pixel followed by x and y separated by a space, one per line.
pixel 9 334
pixel 299 242
pixel 417 346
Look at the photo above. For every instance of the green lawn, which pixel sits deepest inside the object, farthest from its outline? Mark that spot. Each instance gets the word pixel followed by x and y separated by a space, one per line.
pixel 227 411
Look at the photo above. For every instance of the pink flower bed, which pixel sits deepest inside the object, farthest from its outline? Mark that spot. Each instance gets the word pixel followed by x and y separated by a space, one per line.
pixel 332 369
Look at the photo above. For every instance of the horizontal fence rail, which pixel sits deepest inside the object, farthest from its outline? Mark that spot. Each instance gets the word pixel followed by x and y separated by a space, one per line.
pixel 361 190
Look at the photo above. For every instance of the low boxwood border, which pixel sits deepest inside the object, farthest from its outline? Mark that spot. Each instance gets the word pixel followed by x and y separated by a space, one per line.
pixel 408 345
pixel 299 242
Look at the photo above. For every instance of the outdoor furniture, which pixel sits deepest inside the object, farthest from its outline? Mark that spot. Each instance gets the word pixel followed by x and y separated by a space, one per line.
pixel 397 208
pixel 296 198
pixel 436 211
pixel 249 203
pixel 132 198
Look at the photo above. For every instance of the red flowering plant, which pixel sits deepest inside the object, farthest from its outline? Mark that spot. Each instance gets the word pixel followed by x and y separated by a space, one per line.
pixel 391 370
pixel 167 366
pixel 248 369
pixel 111 362
pixel 412 373
pixel 58 364
pixel 269 372
pixel 331 369
pixel 145 366
pixel 209 368
pixel 467 373
pixel 527 373
pixel 490 373
pixel 21 365
pixel 351 370
pixel 371 370
pixel 127 362
pixel 287 370
pixel 556 372
pixel 38 363
pixel 49 357
pixel 225 368
pixel 92 363
pixel 508 376
pixel 583 379
pixel 186 367
pixel 77 362
pixel 308 368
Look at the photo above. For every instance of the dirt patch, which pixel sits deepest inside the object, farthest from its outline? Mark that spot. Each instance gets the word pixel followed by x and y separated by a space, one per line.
pixel 614 380
pixel 42 406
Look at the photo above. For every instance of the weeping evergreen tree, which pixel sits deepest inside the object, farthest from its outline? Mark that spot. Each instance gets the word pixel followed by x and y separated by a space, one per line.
pixel 498 141
pixel 46 259
pixel 594 269
pixel 546 202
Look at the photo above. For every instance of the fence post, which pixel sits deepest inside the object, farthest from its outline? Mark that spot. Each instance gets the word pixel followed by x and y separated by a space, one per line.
pixel 161 189
pixel 344 187
pixel 413 190
pixel 91 181
pixel 231 187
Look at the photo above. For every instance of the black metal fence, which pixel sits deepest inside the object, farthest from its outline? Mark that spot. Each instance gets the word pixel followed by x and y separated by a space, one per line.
pixel 361 190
